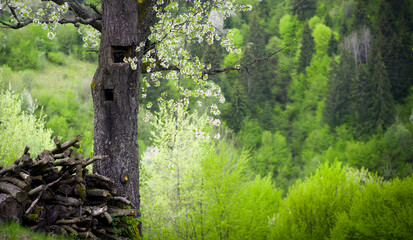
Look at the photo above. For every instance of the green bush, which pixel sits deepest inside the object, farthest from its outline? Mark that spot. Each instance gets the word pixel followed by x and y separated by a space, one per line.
pixel 19 128
pixel 55 57
pixel 383 211
pixel 398 147
pixel 310 209
pixel 195 188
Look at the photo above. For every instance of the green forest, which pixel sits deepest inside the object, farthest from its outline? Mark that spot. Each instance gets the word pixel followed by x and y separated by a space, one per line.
pixel 315 136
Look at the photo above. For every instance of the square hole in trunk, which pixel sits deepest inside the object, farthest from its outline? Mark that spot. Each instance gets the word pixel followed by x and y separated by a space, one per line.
pixel 120 52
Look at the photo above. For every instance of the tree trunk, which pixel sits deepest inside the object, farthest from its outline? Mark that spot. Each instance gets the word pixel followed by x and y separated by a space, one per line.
pixel 115 92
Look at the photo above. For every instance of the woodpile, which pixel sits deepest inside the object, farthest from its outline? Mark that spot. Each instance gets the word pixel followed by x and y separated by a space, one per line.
pixel 55 193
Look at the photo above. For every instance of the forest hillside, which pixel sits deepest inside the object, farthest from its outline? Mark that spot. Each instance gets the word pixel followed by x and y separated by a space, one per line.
pixel 314 141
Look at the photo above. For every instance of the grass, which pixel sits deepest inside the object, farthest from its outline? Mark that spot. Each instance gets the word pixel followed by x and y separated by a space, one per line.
pixel 14 231
pixel 75 75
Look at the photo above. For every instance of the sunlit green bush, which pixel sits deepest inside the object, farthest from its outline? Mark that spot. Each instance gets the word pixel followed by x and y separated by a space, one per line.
pixel 19 128
pixel 382 211
pixel 197 187
pixel 310 209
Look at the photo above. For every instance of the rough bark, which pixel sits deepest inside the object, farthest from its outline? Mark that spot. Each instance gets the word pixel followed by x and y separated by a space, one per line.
pixel 115 91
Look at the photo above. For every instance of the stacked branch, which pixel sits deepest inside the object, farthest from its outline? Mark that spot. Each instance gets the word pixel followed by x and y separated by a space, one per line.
pixel 55 193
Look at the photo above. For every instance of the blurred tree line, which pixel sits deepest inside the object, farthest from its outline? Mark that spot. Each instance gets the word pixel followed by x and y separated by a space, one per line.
pixel 339 91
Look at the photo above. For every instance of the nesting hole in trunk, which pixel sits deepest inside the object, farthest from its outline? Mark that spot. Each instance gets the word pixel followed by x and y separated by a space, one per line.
pixel 109 95
pixel 120 52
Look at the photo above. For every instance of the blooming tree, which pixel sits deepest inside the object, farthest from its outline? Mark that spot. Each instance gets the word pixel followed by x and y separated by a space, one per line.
pixel 134 37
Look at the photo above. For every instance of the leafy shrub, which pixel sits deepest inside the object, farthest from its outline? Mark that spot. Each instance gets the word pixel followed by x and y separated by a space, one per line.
pixel 19 128
pixel 310 209
pixel 196 188
pixel 55 57
pixel 398 146
pixel 383 211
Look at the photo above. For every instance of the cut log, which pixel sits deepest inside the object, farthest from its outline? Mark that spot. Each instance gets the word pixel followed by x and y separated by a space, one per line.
pixel 87 234
pixel 15 169
pixel 109 218
pixel 65 162
pixel 118 212
pixel 17 193
pixel 10 209
pixel 66 153
pixel 57 143
pixel 70 229
pixel 26 149
pixel 66 145
pixel 26 177
pixel 97 193
pixel 37 190
pixel 74 220
pixel 95 210
pixel 123 200
pixel 19 183
pixel 67 201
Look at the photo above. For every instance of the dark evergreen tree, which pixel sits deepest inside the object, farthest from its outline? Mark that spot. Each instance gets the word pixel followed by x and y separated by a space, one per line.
pixel 213 55
pixel 361 94
pixel 337 105
pixel 382 107
pixel 360 15
pixel 256 78
pixel 395 25
pixel 304 9
pixel 307 48
pixel 332 46
pixel 235 114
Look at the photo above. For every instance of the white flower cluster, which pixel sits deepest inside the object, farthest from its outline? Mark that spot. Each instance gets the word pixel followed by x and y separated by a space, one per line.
pixel 213 121
pixel 91 36
pixel 174 33
pixel 51 13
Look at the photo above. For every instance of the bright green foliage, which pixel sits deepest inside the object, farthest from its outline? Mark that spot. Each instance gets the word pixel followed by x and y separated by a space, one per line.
pixel 322 35
pixel 19 128
pixel 382 211
pixel 359 154
pixel 273 158
pixel 68 117
pixel 310 209
pixel 195 188
pixel 250 134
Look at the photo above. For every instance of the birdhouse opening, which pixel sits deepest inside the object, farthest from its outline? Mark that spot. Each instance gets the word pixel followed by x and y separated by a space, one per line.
pixel 120 52
pixel 109 95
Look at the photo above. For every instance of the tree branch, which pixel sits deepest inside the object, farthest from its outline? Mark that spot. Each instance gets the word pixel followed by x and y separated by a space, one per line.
pixel 74 21
pixel 82 13
pixel 214 71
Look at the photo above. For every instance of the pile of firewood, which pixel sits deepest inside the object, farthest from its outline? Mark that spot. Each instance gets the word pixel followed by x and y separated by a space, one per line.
pixel 55 193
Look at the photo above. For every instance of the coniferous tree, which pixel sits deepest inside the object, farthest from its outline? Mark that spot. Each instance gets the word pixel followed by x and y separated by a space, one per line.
pixel 395 25
pixel 237 109
pixel 360 16
pixel 307 48
pixel 382 102
pixel 360 105
pixel 304 9
pixel 338 100
pixel 257 78
pixel 332 46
